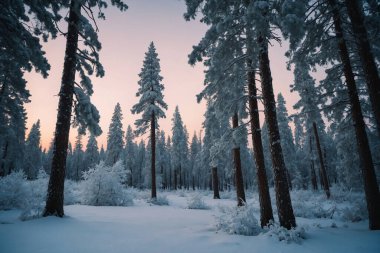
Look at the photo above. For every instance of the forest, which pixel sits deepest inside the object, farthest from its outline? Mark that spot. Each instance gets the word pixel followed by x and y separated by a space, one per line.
pixel 255 178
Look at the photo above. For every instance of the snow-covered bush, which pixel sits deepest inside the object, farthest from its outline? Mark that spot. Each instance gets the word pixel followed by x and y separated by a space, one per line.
pixel 14 191
pixel 102 186
pixel 296 234
pixel 238 220
pixel 181 193
pixel 72 194
pixel 196 202
pixel 343 205
pixel 161 200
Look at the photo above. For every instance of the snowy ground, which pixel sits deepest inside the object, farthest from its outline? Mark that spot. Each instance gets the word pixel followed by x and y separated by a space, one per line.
pixel 174 228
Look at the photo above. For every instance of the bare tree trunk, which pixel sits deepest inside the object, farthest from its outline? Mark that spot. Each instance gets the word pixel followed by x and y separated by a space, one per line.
pixel 175 179
pixel 371 74
pixel 322 163
pixel 3 165
pixel 313 176
pixel 266 212
pixel 240 194
pixel 153 147
pixel 54 201
pixel 369 177
pixel 215 182
pixel 283 200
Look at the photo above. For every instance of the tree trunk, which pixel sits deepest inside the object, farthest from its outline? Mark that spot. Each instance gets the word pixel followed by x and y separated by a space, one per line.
pixel 3 171
pixel 371 74
pixel 266 212
pixel 369 177
pixel 175 179
pixel 283 200
pixel 54 201
pixel 215 182
pixel 153 147
pixel 313 176
pixel 239 183
pixel 322 163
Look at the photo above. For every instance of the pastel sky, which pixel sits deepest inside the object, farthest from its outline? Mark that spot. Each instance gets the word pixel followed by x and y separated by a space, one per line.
pixel 125 38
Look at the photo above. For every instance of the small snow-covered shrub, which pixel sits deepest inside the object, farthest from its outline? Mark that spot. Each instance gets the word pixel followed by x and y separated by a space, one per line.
pixel 196 202
pixel 39 187
pixel 161 200
pixel 32 213
pixel 238 220
pixel 14 191
pixel 343 205
pixel 296 234
pixel 181 193
pixel 102 186
pixel 72 194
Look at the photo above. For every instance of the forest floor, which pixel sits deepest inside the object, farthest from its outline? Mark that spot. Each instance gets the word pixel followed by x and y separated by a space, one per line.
pixel 144 228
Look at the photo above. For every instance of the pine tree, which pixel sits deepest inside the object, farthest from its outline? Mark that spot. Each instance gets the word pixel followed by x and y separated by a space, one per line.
pixel 33 154
pixel 151 104
pixel 21 52
pixel 286 138
pixel 102 154
pixel 371 75
pixel 77 161
pixel 115 137
pixel 141 160
pixel 329 34
pixel 178 148
pixel 370 183
pixel 86 115
pixel 91 155
pixel 227 37
pixel 130 156
pixel 195 149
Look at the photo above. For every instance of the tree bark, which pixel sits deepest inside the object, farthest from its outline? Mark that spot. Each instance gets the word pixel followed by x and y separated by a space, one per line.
pixel 153 148
pixel 371 74
pixel 313 176
pixel 54 201
pixel 283 200
pixel 215 182
pixel 322 163
pixel 266 212
pixel 239 183
pixel 371 187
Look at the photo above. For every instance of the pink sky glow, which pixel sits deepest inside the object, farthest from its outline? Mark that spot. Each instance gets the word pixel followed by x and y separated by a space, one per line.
pixel 125 38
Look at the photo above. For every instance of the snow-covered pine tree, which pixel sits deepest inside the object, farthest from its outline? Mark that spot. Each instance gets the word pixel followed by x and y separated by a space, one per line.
pixel 33 153
pixel 195 149
pixel 115 137
pixel 91 155
pixel 84 59
pixel 178 149
pixel 102 154
pixel 286 138
pixel 370 69
pixel 212 158
pixel 169 173
pixel 77 161
pixel 21 52
pixel 130 156
pixel 161 159
pixel 140 163
pixel 236 17
pixel 330 35
pixel 151 104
